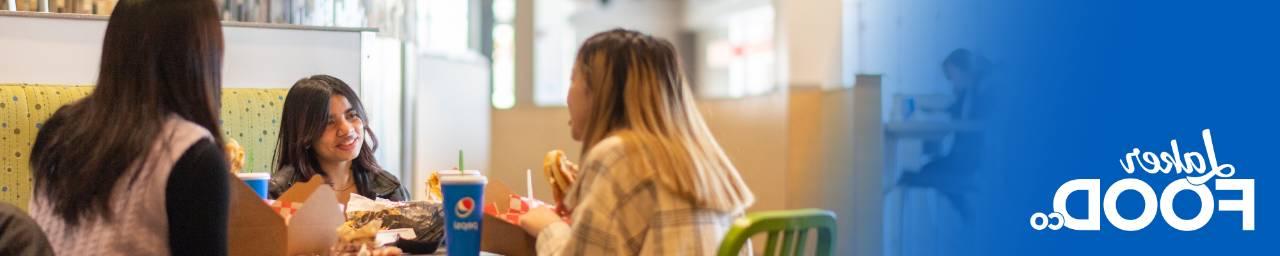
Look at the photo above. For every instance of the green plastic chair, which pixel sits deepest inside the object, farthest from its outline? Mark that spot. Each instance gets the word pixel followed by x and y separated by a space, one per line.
pixel 792 226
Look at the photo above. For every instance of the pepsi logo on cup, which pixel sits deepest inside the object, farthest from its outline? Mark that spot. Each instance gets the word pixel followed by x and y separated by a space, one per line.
pixel 464 208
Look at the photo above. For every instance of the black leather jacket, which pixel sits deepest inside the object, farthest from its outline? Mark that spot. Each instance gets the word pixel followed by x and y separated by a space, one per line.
pixel 371 184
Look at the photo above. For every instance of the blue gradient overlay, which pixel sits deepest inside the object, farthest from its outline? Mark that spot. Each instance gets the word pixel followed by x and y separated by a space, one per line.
pixel 1076 85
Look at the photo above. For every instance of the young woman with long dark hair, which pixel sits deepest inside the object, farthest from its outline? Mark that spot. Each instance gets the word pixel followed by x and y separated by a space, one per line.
pixel 324 131
pixel 137 167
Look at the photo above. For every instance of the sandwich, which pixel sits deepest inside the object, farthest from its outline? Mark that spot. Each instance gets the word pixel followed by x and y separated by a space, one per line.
pixel 235 155
pixel 434 193
pixel 561 173
pixel 354 240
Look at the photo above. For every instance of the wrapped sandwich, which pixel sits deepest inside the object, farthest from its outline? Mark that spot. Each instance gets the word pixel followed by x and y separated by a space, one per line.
pixel 434 193
pixel 358 239
pixel 424 219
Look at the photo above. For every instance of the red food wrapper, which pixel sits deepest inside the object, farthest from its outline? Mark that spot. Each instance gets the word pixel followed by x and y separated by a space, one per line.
pixel 285 209
pixel 519 206
pixel 516 206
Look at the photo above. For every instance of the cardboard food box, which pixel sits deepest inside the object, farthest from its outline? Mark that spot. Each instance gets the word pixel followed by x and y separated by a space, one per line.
pixel 497 234
pixel 254 228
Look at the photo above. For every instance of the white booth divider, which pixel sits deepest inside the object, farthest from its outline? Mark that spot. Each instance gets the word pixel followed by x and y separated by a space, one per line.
pixel 450 112
pixel 65 49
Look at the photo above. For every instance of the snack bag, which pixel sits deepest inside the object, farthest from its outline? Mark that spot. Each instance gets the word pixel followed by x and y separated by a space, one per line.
pixel 423 220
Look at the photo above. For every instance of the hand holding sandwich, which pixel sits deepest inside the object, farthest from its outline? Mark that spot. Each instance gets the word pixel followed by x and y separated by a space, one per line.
pixel 562 175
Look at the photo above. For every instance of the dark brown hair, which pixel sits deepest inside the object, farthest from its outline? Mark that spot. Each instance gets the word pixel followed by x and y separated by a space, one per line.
pixel 305 116
pixel 159 58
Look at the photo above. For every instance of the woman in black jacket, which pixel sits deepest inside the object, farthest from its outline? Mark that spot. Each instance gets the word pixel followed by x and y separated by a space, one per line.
pixel 324 132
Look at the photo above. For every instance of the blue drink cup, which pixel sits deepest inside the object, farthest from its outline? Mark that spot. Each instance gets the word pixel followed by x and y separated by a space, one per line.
pixel 463 212
pixel 256 181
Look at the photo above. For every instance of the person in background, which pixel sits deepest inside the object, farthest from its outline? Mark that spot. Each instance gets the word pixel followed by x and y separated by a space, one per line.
pixel 654 181
pixel 137 168
pixel 951 174
pixel 965 71
pixel 323 132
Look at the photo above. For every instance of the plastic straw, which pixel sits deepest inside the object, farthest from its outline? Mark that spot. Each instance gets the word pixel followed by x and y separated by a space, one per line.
pixel 528 182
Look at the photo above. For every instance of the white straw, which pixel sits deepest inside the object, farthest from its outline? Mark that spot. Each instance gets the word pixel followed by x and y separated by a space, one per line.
pixel 528 182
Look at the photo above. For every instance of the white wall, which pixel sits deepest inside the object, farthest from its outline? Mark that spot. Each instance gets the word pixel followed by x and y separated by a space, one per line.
pixel 451 112
pixel 661 18
pixel 54 51
pixel 706 14
pixel 809 37
pixel 383 80
pixel 61 50
pixel 275 58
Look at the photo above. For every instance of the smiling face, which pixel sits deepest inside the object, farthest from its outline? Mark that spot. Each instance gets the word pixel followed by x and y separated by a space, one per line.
pixel 343 134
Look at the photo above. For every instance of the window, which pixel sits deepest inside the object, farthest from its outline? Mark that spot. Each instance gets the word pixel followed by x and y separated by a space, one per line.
pixel 555 47
pixel 738 58
pixel 504 53
pixel 446 25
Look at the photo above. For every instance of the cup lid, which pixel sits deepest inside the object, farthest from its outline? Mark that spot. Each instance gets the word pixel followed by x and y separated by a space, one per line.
pixel 463 179
pixel 254 175
pixel 457 172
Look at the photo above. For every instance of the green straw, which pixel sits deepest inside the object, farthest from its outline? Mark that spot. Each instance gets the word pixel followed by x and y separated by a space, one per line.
pixel 460 168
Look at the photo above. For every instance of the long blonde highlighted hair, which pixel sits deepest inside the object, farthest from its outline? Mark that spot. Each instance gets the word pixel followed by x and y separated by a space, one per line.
pixel 639 93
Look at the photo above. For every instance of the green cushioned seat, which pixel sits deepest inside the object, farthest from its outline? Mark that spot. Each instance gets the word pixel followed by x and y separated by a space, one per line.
pixel 250 116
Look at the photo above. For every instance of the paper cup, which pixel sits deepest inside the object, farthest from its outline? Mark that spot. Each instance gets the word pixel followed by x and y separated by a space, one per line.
pixel 463 212
pixel 256 181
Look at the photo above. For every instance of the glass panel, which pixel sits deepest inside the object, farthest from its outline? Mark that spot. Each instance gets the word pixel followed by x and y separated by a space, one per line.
pixel 447 25
pixel 555 46
pixel 739 58
pixel 504 95
pixel 504 53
